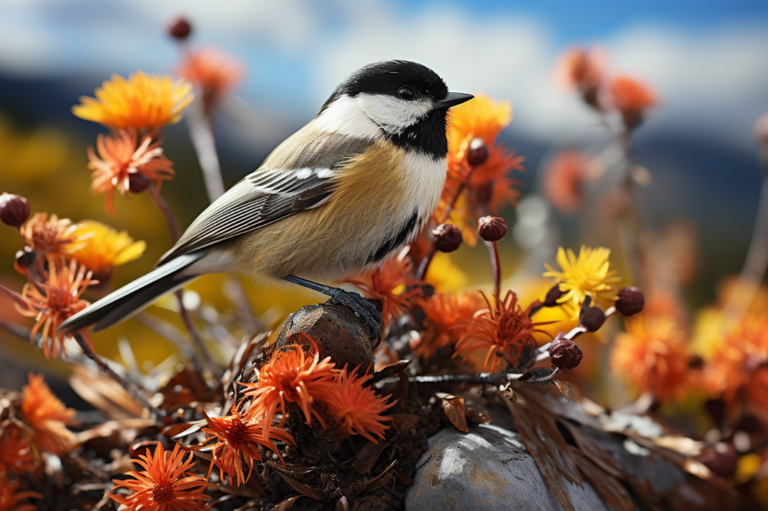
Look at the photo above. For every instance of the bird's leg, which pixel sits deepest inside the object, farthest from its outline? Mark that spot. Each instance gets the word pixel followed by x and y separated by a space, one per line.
pixel 362 307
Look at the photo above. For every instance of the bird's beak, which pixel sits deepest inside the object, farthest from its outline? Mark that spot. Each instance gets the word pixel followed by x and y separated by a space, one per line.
pixel 453 99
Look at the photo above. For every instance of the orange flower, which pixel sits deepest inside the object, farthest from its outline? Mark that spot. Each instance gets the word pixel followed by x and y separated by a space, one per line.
pixel 488 187
pixel 47 416
pixel 214 71
pixel 356 408
pixel 15 452
pixel 387 283
pixel 53 301
pixel 293 377
pixel 504 330
pixel 236 440
pixel 631 98
pixel 47 236
pixel 143 102
pixel 738 363
pixel 447 318
pixel 123 166
pixel 564 181
pixel 582 70
pixel 165 484
pixel 653 354
pixel 10 500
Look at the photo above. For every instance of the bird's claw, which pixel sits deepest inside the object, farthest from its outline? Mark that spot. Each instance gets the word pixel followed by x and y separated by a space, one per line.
pixel 363 308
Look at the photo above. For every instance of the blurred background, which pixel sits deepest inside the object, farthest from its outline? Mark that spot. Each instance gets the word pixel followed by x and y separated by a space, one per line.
pixel 706 61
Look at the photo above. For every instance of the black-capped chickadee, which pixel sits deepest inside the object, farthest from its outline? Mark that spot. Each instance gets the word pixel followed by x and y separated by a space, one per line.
pixel 355 184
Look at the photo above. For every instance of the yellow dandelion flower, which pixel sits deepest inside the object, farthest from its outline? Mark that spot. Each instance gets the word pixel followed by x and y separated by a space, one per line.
pixel 582 276
pixel 99 248
pixel 143 102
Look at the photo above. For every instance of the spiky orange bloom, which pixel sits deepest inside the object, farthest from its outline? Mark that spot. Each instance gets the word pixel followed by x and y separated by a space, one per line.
pixel 631 98
pixel 11 500
pixel 165 484
pixel 142 102
pixel 356 408
pixel 489 187
pixel 291 377
pixel 214 71
pixel 582 276
pixel 47 236
pixel 120 161
pixel 47 416
pixel 236 438
pixel 564 181
pixel 99 248
pixel 503 329
pixel 446 318
pixel 54 300
pixel 738 363
pixel 653 355
pixel 387 283
pixel 579 68
pixel 15 452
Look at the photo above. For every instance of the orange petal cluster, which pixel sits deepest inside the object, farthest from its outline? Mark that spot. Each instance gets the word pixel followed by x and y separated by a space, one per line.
pixel 53 299
pixel 652 354
pixel 122 159
pixel 564 180
pixel 165 484
pixel 235 443
pixel 631 98
pixel 15 452
pixel 214 71
pixel 355 408
pixel 504 330
pixel 447 317
pixel 11 500
pixel 47 416
pixel 47 235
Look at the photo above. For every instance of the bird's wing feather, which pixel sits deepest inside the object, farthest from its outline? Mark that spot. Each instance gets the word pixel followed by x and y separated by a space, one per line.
pixel 287 183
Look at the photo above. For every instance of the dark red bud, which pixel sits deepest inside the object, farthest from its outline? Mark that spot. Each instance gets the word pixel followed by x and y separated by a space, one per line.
pixel 630 301
pixel 553 295
pixel 565 354
pixel 492 228
pixel 180 28
pixel 749 424
pixel 138 182
pixel 477 152
pixel 447 237
pixel 592 318
pixel 25 257
pixel 14 209
pixel 721 460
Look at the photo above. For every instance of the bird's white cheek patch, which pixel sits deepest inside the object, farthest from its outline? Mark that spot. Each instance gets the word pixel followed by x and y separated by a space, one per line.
pixel 393 114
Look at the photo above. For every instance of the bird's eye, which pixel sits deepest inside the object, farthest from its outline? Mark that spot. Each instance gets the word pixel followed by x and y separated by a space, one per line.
pixel 406 93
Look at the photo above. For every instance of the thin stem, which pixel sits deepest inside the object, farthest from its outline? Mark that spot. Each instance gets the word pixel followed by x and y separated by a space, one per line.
pixel 205 146
pixel 14 296
pixel 162 205
pixel 184 313
pixel 493 251
pixel 633 232
pixel 755 263
pixel 424 265
pixel 479 378
pixel 170 332
pixel 130 387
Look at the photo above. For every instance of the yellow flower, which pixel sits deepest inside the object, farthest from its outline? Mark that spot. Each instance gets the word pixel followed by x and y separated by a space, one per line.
pixel 99 248
pixel 143 102
pixel 587 275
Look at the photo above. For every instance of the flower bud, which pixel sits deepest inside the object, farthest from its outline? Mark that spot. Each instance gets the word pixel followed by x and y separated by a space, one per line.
pixel 553 295
pixel 592 318
pixel 14 209
pixel 180 28
pixel 630 301
pixel 447 237
pixel 492 228
pixel 138 182
pixel 25 258
pixel 477 152
pixel 721 459
pixel 564 353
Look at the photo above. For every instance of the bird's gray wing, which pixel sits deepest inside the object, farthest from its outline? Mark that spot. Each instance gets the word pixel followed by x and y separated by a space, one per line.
pixel 287 183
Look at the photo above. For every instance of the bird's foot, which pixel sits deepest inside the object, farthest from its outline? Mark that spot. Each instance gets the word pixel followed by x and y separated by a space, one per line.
pixel 363 308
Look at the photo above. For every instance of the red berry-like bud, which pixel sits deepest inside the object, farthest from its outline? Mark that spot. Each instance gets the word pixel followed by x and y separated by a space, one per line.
pixel 721 459
pixel 25 257
pixel 592 318
pixel 447 237
pixel 180 28
pixel 564 353
pixel 553 295
pixel 492 228
pixel 477 152
pixel 630 301
pixel 14 209
pixel 138 182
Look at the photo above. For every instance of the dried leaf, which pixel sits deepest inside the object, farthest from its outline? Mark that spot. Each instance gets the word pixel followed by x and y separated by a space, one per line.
pixel 104 393
pixel 185 388
pixel 564 388
pixel 369 455
pixel 539 376
pixel 404 478
pixel 478 416
pixel 301 487
pixel 454 409
pixel 611 491
pixel 547 446
pixel 107 428
pixel 287 503
pixel 390 370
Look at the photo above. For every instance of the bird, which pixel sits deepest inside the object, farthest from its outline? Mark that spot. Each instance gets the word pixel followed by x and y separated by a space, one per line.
pixel 347 190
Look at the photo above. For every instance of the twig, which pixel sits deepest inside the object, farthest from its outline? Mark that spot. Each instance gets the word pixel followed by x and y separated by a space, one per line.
pixel 493 251
pixel 170 332
pixel 205 146
pixel 14 296
pixel 184 313
pixel 165 209
pixel 479 378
